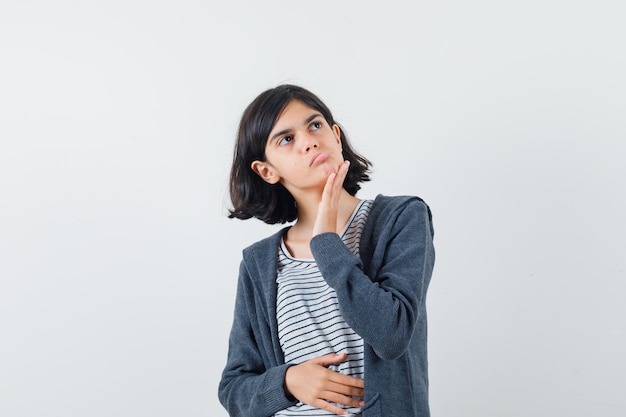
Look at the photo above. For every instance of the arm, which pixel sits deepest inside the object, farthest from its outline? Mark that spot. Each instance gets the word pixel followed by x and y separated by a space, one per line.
pixel 256 383
pixel 250 386
pixel 384 308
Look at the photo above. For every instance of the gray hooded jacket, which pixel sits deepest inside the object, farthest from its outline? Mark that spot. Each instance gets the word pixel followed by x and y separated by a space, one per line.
pixel 381 294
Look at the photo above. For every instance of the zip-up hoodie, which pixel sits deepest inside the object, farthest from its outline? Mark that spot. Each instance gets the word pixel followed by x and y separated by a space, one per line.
pixel 381 294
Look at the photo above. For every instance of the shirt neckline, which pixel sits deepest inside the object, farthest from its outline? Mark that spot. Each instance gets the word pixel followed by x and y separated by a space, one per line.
pixel 286 252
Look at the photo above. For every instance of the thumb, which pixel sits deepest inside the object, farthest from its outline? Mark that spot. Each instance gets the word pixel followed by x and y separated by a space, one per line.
pixel 331 359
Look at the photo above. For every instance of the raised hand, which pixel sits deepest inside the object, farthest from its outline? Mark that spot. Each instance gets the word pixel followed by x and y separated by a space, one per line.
pixel 326 220
pixel 313 383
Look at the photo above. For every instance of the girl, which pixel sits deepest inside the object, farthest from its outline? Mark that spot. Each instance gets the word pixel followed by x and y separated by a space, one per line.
pixel 330 313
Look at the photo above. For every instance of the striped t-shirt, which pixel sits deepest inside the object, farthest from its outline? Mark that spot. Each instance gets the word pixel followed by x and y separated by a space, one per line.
pixel 309 321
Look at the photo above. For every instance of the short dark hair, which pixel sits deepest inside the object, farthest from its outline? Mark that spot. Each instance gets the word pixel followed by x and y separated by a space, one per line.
pixel 250 195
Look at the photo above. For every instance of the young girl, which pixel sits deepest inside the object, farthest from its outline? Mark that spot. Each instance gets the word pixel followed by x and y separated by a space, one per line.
pixel 330 313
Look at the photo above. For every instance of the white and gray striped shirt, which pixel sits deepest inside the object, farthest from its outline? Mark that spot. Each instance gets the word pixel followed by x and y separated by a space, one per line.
pixel 309 321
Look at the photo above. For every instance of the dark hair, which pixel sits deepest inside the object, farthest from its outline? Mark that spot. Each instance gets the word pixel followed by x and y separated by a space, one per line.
pixel 250 195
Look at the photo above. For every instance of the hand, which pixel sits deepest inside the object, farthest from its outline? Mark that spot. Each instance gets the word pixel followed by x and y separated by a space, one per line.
pixel 328 210
pixel 313 383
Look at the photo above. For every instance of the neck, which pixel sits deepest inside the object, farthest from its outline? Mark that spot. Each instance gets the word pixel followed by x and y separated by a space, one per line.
pixel 308 209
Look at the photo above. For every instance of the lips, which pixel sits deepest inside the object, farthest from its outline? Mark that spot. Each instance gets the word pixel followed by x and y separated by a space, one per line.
pixel 319 158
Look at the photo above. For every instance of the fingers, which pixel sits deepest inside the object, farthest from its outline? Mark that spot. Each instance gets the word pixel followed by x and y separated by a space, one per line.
pixel 324 405
pixel 344 384
pixel 337 399
pixel 326 220
pixel 342 172
pixel 338 394
pixel 347 381
pixel 334 183
pixel 330 359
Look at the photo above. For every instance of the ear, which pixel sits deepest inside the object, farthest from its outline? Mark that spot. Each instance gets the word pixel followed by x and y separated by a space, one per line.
pixel 337 132
pixel 265 171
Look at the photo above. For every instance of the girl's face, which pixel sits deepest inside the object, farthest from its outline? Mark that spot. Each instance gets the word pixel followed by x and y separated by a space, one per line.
pixel 302 150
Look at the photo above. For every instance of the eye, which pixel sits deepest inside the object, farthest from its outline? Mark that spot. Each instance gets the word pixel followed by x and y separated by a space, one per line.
pixel 285 140
pixel 316 125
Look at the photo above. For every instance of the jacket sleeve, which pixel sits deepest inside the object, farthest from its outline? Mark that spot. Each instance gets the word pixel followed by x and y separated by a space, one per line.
pixel 385 307
pixel 249 387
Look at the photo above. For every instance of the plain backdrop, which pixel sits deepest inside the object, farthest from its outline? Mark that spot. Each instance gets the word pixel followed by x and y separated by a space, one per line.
pixel 118 265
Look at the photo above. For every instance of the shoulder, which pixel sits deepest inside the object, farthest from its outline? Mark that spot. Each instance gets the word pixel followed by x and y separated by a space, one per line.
pixel 259 262
pixel 395 223
pixel 390 203
pixel 386 207
pixel 264 248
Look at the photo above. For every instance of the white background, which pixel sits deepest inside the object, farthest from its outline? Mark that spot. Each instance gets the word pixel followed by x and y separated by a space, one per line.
pixel 118 264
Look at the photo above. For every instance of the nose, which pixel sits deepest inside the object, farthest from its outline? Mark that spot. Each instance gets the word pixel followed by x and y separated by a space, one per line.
pixel 309 142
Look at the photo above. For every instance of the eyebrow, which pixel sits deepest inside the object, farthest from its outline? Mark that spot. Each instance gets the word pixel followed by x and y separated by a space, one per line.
pixel 306 122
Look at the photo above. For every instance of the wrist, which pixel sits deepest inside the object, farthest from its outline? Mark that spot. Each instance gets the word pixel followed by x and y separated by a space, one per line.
pixel 288 394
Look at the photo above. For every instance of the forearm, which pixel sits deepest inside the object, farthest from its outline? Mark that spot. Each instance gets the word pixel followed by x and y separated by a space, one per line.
pixel 252 383
pixel 245 394
pixel 385 307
